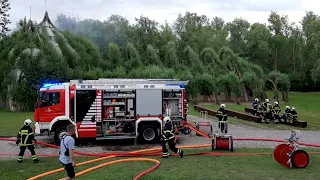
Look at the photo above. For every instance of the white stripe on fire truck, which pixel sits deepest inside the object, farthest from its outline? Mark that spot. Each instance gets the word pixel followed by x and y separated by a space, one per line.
pixel 88 122
pixel 88 126
pixel 87 130
pixel 95 110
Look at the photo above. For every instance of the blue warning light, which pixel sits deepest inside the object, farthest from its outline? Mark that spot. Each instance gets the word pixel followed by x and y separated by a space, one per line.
pixel 48 85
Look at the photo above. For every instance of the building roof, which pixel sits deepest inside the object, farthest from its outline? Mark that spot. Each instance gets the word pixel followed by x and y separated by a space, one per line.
pixel 46 21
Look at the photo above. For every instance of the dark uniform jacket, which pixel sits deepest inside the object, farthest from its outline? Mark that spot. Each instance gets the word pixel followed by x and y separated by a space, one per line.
pixel 221 114
pixel 168 131
pixel 287 111
pixel 25 136
pixel 267 107
pixel 276 109
pixel 294 113
pixel 255 105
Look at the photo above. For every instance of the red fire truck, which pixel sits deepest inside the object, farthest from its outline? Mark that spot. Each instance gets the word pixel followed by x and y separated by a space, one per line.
pixel 110 108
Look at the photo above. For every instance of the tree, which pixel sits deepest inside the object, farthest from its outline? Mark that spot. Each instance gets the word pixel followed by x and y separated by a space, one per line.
pixel 66 23
pixel 152 56
pixel 4 17
pixel 114 55
pixel 171 59
pixel 132 57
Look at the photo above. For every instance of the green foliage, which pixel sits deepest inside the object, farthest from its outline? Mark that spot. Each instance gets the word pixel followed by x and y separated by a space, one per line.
pixel 152 57
pixel 132 57
pixel 171 58
pixel 114 55
pixel 233 58
pixel 205 84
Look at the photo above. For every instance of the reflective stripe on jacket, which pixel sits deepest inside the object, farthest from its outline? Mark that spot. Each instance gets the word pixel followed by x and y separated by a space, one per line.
pixel 25 136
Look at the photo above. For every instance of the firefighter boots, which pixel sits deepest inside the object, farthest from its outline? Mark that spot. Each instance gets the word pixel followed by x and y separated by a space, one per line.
pixel 181 154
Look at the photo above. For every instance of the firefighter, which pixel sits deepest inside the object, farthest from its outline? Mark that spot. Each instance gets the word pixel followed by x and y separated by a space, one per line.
pixel 276 112
pixel 267 111
pixel 25 138
pixel 286 115
pixel 255 106
pixel 294 115
pixel 168 136
pixel 222 116
pixel 186 107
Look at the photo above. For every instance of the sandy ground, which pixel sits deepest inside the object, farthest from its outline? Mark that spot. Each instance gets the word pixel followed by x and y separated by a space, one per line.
pixel 237 131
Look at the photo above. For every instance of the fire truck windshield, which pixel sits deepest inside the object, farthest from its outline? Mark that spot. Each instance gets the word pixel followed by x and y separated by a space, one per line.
pixel 48 99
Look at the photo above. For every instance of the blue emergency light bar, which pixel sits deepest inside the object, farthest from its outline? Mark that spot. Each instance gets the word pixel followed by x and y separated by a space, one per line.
pixel 48 85
pixel 180 85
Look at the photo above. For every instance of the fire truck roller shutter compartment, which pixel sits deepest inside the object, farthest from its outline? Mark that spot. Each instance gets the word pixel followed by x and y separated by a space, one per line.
pixel 149 101
pixel 148 109
pixel 88 104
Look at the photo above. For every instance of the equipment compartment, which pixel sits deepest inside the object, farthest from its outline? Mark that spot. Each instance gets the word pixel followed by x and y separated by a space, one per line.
pixel 118 113
pixel 172 103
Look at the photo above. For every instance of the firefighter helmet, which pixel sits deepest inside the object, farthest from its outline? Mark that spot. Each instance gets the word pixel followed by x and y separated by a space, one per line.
pixel 267 100
pixel 27 122
pixel 167 119
pixel 287 107
pixel 222 105
pixel 256 99
pixel 276 103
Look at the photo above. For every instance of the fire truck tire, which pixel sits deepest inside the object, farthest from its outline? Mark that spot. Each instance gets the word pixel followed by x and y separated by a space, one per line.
pixel 148 134
pixel 59 133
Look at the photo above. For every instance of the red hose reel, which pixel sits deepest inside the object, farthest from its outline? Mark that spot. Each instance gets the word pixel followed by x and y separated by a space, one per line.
pixel 290 155
pixel 222 142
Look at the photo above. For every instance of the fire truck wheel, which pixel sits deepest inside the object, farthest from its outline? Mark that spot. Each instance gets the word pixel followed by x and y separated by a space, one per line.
pixel 148 134
pixel 59 134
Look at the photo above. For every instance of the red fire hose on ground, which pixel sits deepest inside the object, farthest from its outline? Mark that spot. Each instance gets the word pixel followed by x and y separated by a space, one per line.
pixel 155 152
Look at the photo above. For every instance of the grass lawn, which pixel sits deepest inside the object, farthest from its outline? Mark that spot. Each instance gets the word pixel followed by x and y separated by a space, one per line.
pixel 189 167
pixel 11 122
pixel 306 104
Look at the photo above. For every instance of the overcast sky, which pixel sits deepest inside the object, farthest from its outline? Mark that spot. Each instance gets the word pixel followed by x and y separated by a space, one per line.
pixel 161 10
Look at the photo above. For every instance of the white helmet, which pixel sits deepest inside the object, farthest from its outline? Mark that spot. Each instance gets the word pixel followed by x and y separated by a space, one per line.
pixel 167 119
pixel 222 105
pixel 267 100
pixel 287 107
pixel 276 103
pixel 293 108
pixel 27 122
pixel 256 99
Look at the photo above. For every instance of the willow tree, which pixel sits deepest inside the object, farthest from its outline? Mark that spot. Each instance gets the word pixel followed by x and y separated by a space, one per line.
pixel 192 60
pixel 152 72
pixel 114 55
pixel 279 82
pixel 315 72
pixel 131 57
pixel 171 58
pixel 231 63
pixel 152 57
pixel 205 84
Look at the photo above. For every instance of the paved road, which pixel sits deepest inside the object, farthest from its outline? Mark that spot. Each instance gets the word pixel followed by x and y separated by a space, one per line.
pixel 237 131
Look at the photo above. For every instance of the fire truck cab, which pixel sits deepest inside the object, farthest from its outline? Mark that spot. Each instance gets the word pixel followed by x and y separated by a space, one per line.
pixel 110 108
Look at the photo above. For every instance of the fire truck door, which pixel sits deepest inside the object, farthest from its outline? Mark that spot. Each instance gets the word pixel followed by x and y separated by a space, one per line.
pixel 51 105
pixel 149 102
pixel 85 109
